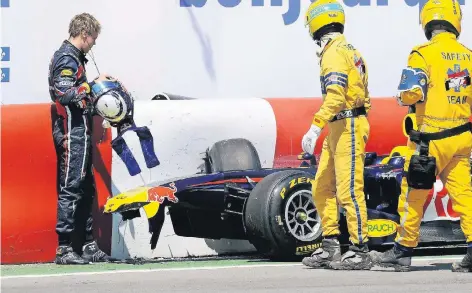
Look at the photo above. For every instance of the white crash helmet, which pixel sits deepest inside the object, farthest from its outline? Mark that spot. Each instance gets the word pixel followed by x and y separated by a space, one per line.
pixel 111 106
pixel 111 100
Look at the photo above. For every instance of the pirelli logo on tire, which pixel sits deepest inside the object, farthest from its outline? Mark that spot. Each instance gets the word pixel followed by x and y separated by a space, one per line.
pixel 307 249
pixel 293 183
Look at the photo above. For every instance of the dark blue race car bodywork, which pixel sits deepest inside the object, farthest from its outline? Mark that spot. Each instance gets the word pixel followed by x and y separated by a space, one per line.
pixel 214 205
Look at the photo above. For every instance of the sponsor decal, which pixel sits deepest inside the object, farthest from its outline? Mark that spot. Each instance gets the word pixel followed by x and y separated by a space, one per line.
pixel 293 183
pixel 392 174
pixel 240 180
pixel 66 72
pixel 84 88
pixel 5 74
pixel 80 71
pixel 279 221
pixel 68 83
pixel 159 193
pixel 360 65
pixel 294 7
pixel 457 78
pixel 381 227
pixel 305 249
pixel 5 53
pixel 438 204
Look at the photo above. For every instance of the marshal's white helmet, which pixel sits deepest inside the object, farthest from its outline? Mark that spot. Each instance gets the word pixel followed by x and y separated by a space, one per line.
pixel 112 101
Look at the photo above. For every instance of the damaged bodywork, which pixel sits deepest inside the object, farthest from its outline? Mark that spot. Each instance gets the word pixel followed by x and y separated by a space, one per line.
pixel 272 207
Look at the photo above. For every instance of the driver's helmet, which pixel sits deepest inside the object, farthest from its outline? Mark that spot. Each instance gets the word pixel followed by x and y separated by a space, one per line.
pixel 112 101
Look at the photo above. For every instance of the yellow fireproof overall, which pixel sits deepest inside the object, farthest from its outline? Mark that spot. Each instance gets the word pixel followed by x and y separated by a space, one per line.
pixel 444 60
pixel 340 175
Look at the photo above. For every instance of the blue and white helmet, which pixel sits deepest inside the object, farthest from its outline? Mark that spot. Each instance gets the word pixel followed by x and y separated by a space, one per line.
pixel 112 101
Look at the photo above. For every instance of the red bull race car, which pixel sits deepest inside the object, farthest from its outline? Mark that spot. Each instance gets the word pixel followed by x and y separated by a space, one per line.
pixel 233 197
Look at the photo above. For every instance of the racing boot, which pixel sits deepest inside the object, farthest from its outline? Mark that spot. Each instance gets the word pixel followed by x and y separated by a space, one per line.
pixel 398 257
pixel 330 250
pixel 356 258
pixel 92 253
pixel 65 255
pixel 465 265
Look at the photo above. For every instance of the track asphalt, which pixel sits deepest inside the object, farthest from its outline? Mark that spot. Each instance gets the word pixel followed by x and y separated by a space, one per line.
pixel 429 274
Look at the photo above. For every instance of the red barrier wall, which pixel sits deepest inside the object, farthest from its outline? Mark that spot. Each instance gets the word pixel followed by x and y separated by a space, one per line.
pixel 294 117
pixel 29 196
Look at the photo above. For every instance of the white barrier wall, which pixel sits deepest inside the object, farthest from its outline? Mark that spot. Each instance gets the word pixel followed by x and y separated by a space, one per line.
pixel 181 131
pixel 209 51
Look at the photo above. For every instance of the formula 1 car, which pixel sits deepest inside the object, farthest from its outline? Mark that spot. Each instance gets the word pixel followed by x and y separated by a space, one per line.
pixel 233 197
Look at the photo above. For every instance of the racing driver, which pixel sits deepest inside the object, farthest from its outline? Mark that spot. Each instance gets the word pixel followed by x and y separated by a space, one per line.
pixel 72 130
pixel 437 80
pixel 346 102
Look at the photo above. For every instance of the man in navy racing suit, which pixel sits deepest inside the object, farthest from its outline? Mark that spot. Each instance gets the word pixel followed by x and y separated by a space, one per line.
pixel 72 129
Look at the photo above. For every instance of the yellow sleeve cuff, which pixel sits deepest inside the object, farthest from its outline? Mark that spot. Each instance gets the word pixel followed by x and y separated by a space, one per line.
pixel 318 122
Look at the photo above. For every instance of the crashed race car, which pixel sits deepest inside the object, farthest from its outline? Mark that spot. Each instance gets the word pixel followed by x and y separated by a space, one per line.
pixel 233 197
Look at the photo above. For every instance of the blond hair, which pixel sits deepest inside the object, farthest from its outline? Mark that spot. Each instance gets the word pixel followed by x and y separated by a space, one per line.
pixel 84 22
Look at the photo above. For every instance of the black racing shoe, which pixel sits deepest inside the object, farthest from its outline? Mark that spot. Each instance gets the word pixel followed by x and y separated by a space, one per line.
pixel 92 253
pixel 330 250
pixel 65 255
pixel 397 258
pixel 464 266
pixel 356 258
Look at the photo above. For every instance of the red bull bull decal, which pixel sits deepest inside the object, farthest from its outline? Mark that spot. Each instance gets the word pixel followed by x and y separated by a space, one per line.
pixel 159 193
pixel 80 71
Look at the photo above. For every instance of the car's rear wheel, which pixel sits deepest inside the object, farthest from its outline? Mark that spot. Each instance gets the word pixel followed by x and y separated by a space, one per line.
pixel 280 218
pixel 232 155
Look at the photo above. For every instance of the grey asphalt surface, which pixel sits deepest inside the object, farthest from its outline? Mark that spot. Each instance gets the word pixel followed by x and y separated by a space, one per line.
pixel 428 275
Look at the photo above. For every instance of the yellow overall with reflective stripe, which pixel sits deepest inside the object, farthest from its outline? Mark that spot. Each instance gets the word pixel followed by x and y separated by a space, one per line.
pixel 447 104
pixel 340 175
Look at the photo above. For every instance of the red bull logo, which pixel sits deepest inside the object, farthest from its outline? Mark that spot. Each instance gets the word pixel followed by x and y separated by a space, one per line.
pixel 159 193
pixel 80 71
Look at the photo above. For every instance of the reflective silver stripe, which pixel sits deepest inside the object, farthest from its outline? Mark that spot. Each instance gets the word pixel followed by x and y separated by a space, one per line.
pixel 85 146
pixel 69 126
pixel 405 215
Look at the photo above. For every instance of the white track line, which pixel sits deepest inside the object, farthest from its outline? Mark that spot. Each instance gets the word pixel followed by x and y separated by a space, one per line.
pixel 191 269
pixel 149 270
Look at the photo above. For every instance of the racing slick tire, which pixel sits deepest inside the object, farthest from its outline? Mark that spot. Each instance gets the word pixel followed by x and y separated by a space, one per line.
pixel 234 154
pixel 280 218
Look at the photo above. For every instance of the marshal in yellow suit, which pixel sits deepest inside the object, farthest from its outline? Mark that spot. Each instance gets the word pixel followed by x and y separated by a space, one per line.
pixel 341 168
pixel 444 98
pixel 339 179
pixel 437 81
